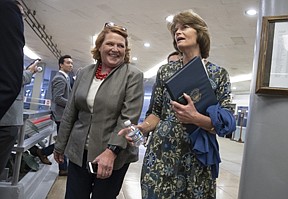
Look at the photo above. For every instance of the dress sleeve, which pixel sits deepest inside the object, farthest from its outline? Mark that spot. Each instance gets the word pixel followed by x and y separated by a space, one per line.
pixel 220 114
pixel 223 91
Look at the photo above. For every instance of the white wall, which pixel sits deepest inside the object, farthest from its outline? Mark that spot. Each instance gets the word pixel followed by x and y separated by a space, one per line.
pixel 241 99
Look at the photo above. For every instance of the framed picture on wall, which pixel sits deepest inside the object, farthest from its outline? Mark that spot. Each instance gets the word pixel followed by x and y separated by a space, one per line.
pixel 272 74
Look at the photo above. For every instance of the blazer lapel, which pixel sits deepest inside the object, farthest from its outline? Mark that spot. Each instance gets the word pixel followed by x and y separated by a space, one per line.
pixel 85 82
pixel 67 81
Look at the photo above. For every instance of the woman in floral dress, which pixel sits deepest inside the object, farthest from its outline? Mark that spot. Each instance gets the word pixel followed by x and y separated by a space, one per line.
pixel 172 169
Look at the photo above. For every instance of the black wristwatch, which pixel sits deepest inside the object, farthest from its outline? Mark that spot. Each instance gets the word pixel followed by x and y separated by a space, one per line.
pixel 115 149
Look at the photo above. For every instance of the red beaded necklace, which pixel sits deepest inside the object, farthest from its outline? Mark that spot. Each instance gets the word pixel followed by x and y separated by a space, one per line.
pixel 99 75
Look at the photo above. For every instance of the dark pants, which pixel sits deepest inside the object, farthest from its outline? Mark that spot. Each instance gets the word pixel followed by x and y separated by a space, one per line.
pixel 8 136
pixel 81 184
pixel 62 166
pixel 48 150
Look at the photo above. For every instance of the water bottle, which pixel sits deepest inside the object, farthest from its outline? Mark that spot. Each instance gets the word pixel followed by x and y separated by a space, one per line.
pixel 39 69
pixel 135 134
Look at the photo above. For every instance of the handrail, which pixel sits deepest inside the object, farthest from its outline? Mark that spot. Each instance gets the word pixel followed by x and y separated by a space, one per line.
pixel 24 145
pixel 30 114
pixel 29 142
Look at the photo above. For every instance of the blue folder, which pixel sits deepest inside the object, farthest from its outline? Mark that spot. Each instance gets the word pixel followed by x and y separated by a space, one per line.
pixel 192 79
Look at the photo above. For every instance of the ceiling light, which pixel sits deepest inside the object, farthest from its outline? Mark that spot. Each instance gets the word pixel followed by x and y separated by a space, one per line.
pixel 29 53
pixel 169 18
pixel 134 58
pixel 94 37
pixel 147 45
pixel 153 71
pixel 241 78
pixel 251 12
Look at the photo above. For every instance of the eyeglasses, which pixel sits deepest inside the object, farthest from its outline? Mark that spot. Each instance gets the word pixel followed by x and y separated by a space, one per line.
pixel 111 24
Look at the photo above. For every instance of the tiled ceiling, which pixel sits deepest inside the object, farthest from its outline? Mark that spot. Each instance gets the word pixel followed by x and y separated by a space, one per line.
pixel 72 23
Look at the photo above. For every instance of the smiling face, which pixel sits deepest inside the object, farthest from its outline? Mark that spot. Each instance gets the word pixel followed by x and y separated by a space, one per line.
pixel 112 50
pixel 67 65
pixel 186 39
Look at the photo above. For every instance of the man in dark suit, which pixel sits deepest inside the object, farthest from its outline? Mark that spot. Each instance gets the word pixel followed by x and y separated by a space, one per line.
pixel 60 90
pixel 11 66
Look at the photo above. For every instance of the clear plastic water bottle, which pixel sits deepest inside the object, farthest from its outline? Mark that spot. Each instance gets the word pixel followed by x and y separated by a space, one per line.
pixel 135 134
pixel 39 69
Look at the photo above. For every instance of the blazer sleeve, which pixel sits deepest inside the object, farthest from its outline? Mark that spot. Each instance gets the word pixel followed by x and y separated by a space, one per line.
pixel 59 85
pixel 131 106
pixel 11 51
pixel 27 77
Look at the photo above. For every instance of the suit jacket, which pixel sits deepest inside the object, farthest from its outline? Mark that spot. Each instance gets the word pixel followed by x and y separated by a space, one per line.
pixel 11 53
pixel 119 98
pixel 14 115
pixel 60 90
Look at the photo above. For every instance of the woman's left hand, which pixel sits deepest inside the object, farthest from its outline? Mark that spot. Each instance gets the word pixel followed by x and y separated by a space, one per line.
pixel 105 163
pixel 186 114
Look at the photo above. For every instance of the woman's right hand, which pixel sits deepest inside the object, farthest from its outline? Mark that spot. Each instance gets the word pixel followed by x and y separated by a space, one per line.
pixel 59 158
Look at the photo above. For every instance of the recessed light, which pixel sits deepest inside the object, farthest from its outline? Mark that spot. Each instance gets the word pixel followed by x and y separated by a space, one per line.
pixel 29 53
pixel 170 18
pixel 134 58
pixel 251 12
pixel 147 45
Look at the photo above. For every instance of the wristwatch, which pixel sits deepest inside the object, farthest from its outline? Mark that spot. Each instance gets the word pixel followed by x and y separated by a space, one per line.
pixel 115 149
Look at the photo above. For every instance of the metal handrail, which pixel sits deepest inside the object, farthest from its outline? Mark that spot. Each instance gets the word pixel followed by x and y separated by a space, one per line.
pixel 22 145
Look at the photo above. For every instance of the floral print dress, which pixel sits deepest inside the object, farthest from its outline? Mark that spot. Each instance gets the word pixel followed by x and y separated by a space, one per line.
pixel 170 168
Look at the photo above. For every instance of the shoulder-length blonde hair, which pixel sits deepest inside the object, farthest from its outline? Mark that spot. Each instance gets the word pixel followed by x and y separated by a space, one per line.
pixel 192 19
pixel 100 39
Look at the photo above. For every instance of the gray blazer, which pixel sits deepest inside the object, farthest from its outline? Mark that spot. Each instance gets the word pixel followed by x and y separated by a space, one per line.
pixel 119 98
pixel 60 90
pixel 14 115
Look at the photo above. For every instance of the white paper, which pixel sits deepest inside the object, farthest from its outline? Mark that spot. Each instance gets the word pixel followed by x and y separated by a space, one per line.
pixel 279 62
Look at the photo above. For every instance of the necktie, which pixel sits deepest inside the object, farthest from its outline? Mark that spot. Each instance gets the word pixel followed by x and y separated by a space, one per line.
pixel 68 81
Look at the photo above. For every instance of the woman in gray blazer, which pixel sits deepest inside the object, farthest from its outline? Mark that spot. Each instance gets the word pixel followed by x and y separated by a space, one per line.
pixel 104 95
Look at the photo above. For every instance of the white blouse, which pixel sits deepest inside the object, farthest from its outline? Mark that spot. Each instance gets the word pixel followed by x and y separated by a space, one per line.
pixel 92 92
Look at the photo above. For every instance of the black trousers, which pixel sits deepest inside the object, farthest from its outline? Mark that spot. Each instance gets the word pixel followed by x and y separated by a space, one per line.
pixel 8 136
pixel 83 185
